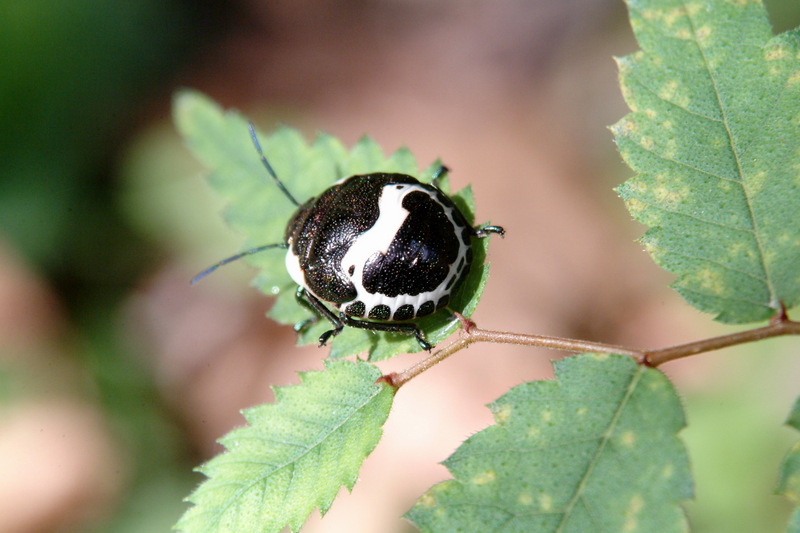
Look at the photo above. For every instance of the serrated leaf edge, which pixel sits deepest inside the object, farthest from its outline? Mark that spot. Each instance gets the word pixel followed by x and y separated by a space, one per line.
pixel 280 394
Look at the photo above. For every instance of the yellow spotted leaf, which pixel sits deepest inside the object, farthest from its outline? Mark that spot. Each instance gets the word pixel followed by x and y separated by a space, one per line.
pixel 595 450
pixel 294 455
pixel 714 140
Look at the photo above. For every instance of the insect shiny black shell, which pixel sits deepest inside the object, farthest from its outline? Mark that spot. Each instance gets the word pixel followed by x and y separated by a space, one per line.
pixel 380 246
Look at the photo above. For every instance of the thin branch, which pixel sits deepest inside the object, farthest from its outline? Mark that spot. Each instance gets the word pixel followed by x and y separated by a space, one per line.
pixel 471 334
pixel 780 325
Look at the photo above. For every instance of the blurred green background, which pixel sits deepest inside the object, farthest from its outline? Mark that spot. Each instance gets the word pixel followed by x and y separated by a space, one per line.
pixel 116 377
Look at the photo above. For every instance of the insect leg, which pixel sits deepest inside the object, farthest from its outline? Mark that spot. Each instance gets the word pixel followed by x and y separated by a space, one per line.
pixel 485 231
pixel 314 304
pixel 300 296
pixel 440 173
pixel 407 328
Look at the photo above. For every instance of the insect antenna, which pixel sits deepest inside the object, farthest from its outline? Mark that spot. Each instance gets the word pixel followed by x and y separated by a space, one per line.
pixel 232 258
pixel 268 166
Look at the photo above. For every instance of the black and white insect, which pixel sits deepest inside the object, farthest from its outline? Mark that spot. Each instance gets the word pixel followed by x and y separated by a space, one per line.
pixel 374 251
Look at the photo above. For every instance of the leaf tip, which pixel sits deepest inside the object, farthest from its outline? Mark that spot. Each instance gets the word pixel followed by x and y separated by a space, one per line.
pixel 184 100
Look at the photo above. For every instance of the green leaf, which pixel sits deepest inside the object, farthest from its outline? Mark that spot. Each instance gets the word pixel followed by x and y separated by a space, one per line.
pixel 595 450
pixel 789 483
pixel 294 455
pixel 714 140
pixel 259 210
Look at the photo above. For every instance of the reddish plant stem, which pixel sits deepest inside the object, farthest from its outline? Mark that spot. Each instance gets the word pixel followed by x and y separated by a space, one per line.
pixel 781 325
pixel 471 335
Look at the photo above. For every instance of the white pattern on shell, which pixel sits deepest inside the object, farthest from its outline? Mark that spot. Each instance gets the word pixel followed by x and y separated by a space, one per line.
pixel 379 237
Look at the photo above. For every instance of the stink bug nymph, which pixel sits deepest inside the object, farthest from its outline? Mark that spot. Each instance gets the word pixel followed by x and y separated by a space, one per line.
pixel 374 251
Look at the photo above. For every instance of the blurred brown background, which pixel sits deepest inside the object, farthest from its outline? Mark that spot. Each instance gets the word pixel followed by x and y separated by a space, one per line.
pixel 116 377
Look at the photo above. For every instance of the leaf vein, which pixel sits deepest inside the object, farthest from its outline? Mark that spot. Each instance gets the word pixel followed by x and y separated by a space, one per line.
pixel 726 122
pixel 687 165
pixel 694 217
pixel 721 297
pixel 718 263
pixel 675 104
pixel 245 487
pixel 604 442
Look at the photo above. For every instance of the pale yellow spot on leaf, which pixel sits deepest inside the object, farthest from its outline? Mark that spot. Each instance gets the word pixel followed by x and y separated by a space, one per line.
pixel 668 90
pixel 600 356
pixel 684 34
pixel 547 415
pixel 667 471
pixel 637 186
pixel 483 478
pixel 428 500
pixel 627 126
pixel 533 432
pixel 545 502
pixel 668 196
pixel 709 279
pixel 581 411
pixel 703 33
pixel 647 143
pixel 651 113
pixel 525 499
pixel 769 255
pixel 632 513
pixel 668 124
pixel 635 206
pixel 693 9
pixel 503 414
pixel 756 182
pixel 785 238
pixel 738 249
pixel 651 14
pixel 651 248
pixel 794 78
pixel 672 17
pixel 776 53
pixel 671 149
pixel 627 95
pixel 628 439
